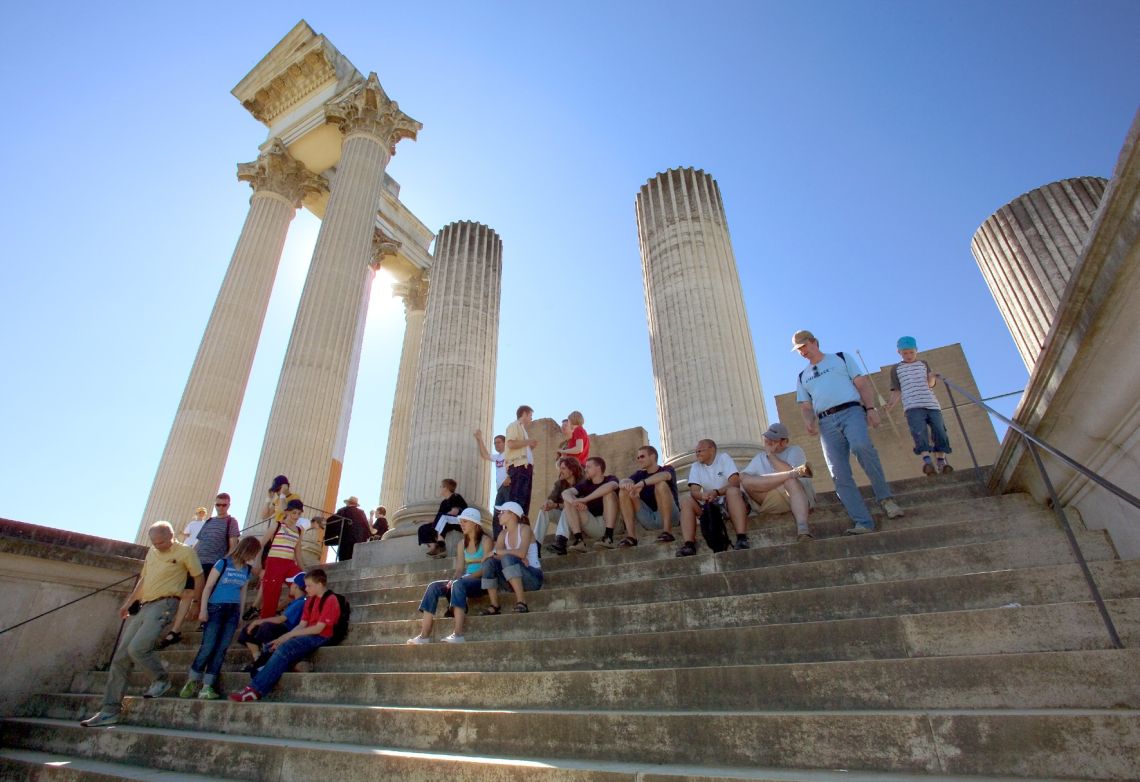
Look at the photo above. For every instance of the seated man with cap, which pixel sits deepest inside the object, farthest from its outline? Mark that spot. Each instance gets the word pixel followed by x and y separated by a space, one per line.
pixel 779 479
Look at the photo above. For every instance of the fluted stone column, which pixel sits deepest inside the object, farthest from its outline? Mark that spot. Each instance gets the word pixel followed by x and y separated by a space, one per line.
pixel 414 293
pixel 1027 251
pixel 455 386
pixel 199 442
pixel 704 365
pixel 314 395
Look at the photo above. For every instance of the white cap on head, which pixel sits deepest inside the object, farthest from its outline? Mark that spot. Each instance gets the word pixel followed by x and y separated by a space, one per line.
pixel 512 507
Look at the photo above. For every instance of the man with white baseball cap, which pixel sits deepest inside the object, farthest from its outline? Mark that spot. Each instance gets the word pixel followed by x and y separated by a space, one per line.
pixel 779 479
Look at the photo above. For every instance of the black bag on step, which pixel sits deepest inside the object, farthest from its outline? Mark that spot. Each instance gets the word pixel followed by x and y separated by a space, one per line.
pixel 712 527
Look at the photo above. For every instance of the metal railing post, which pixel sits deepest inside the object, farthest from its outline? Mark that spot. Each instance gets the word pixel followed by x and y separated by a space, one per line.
pixel 965 434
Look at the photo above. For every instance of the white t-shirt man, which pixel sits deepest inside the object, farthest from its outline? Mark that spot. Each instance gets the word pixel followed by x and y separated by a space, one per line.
pixel 191 532
pixel 500 460
pixel 713 477
pixel 793 455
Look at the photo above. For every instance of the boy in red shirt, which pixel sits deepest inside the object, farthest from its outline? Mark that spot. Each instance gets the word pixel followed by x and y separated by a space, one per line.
pixel 314 630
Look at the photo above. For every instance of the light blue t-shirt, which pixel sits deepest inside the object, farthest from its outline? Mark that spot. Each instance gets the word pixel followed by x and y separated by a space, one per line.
pixel 230 582
pixel 828 383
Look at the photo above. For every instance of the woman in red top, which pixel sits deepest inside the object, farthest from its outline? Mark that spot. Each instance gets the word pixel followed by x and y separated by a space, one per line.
pixel 579 445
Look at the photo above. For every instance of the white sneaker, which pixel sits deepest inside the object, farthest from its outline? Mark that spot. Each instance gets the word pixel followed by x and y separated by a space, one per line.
pixel 419 639
pixel 454 639
pixel 892 508
pixel 158 689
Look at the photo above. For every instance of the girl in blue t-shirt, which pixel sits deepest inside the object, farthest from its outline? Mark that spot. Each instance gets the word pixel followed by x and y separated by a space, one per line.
pixel 221 610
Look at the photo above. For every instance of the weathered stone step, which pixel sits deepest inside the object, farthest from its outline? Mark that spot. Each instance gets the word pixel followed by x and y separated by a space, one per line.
pixel 654 560
pixel 30 766
pixel 1102 679
pixel 1054 627
pixel 923 563
pixel 1027 586
pixel 1090 743
pixel 273 760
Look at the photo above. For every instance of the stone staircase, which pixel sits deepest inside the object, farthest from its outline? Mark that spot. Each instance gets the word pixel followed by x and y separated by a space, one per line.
pixel 958 642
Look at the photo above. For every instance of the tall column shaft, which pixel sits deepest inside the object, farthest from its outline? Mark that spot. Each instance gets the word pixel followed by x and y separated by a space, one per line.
pixel 1027 251
pixel 414 294
pixel 455 385
pixel 704 364
pixel 308 423
pixel 199 442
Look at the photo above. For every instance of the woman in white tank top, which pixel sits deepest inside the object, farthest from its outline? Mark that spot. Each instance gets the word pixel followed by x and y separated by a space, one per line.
pixel 515 563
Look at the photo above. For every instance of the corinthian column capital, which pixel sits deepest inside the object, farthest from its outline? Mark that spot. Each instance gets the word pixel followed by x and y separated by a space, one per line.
pixel 414 292
pixel 369 110
pixel 383 246
pixel 276 171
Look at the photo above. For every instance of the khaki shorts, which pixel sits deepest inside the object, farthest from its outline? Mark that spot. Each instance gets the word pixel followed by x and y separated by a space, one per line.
pixel 776 501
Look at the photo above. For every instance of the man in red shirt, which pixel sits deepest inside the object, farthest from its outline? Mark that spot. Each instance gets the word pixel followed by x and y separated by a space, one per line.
pixel 314 630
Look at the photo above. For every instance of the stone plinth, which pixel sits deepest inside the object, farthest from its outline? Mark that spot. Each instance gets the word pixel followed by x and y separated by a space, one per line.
pixel 704 364
pixel 455 385
pixel 199 442
pixel 1027 251
pixel 43 568
pixel 313 403
pixel 414 294
pixel 892 439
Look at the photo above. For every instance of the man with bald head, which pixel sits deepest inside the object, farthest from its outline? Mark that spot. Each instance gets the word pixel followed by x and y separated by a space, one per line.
pixel 713 477
pixel 158 589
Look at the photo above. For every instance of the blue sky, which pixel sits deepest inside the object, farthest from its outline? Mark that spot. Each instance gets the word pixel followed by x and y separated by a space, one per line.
pixel 858 146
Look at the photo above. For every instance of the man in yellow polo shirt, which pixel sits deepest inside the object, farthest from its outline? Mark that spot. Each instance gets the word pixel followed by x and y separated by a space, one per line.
pixel 158 590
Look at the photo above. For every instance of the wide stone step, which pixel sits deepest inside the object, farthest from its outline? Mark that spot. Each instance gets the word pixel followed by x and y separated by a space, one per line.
pixel 763 531
pixel 654 560
pixel 30 766
pixel 1027 586
pixel 1085 743
pixel 1030 628
pixel 276 760
pixel 1103 679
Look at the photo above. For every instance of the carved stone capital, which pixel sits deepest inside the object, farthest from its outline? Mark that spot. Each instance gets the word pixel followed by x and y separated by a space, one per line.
pixel 276 171
pixel 368 109
pixel 414 292
pixel 383 246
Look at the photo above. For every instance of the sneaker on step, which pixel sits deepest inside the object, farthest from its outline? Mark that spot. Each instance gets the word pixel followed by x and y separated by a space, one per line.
pixel 857 530
pixel 803 537
pixel 687 550
pixel 158 689
pixel 665 537
pixel 928 468
pixel 892 509
pixel 189 689
pixel 419 639
pixel 604 543
pixel 454 639
pixel 208 693
pixel 945 468
pixel 579 547
pixel 102 719
pixel 245 695
pixel 741 545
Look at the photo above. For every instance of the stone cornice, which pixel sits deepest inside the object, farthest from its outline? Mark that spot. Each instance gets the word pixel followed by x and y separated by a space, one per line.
pixel 369 110
pixel 276 171
pixel 383 246
pixel 298 66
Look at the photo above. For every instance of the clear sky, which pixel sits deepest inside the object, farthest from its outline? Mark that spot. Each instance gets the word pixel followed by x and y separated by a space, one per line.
pixel 858 146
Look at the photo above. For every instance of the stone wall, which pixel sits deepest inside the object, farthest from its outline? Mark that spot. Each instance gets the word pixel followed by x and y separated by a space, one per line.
pixel 892 439
pixel 42 568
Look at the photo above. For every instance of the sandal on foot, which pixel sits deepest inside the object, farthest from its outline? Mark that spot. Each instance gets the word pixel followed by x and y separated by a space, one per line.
pixel 665 537
pixel 627 542
pixel 491 611
pixel 169 639
pixel 521 608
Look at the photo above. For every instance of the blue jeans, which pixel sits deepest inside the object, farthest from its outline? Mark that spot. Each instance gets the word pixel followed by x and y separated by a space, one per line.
pixel 289 653
pixel 920 420
pixel 220 629
pixel 461 589
pixel 842 434
pixel 497 573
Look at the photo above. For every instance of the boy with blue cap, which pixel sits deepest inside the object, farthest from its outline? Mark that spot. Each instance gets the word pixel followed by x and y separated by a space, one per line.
pixel 912 381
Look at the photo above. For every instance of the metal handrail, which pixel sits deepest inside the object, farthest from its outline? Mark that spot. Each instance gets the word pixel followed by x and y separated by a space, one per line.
pixel 1035 444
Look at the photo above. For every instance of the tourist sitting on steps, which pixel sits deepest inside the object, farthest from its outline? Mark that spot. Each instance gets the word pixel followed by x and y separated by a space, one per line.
pixel 713 477
pixel 649 497
pixel 570 474
pixel 515 563
pixel 257 634
pixel 591 506
pixel 778 479
pixel 318 620
pixel 467 582
pixel 431 534
pixel 578 441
